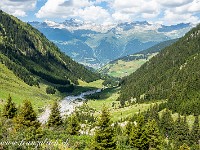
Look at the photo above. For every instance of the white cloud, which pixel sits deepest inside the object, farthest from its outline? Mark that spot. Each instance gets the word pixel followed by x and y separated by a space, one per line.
pixel 175 11
pixel 61 8
pixel 173 3
pixel 120 17
pixel 184 13
pixel 81 3
pixel 194 6
pixel 122 4
pixel 100 1
pixel 166 11
pixel 82 9
pixel 173 18
pixel 17 7
pixel 94 14
pixel 19 13
pixel 133 9
pixel 53 9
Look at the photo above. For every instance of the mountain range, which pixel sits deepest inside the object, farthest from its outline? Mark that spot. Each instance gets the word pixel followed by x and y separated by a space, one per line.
pixel 95 45
pixel 173 74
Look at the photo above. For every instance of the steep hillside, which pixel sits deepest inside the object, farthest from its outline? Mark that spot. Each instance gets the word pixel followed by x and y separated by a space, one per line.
pixel 124 66
pixel 173 74
pixel 28 53
pixel 19 91
pixel 36 61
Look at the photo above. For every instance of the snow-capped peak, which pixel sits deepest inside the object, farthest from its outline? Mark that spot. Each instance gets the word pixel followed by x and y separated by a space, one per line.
pixel 53 24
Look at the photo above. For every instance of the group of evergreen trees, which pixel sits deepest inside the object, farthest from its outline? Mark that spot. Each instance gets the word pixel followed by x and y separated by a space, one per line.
pixel 177 133
pixel 21 124
pixel 146 130
pixel 173 74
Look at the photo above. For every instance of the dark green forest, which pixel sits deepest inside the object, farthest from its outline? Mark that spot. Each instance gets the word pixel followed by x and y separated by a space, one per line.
pixel 173 74
pixel 33 58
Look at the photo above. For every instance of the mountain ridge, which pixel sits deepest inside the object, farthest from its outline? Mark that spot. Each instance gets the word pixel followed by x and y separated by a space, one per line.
pixel 126 65
pixel 107 41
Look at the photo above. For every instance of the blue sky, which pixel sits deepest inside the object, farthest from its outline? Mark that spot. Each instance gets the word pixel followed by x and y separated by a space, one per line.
pixel 105 11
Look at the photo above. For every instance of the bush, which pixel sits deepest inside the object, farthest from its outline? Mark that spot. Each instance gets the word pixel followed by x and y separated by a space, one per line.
pixel 50 90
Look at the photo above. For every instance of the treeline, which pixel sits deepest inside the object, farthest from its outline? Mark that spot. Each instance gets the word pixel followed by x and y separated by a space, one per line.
pixel 168 133
pixel 173 74
pixel 19 71
pixel 25 48
pixel 81 130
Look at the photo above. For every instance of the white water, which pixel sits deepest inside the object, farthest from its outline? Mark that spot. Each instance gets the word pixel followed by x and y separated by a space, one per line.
pixel 67 105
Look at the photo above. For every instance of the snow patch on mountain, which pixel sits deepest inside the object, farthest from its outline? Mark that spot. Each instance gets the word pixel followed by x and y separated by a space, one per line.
pixel 96 44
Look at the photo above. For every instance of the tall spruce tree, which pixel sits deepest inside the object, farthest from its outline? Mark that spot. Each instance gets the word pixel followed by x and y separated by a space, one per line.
pixel 153 113
pixel 26 125
pixel 136 132
pixel 184 147
pixel 181 132
pixel 166 123
pixel 104 138
pixel 9 109
pixel 128 128
pixel 55 119
pixel 27 116
pixel 195 132
pixel 73 126
pixel 150 138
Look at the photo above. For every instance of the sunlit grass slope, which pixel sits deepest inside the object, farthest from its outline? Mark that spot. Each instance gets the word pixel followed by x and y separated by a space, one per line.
pixel 19 91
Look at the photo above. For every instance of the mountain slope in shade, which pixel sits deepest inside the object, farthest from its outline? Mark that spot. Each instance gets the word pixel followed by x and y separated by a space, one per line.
pixel 107 42
pixel 32 57
pixel 173 74
pixel 126 65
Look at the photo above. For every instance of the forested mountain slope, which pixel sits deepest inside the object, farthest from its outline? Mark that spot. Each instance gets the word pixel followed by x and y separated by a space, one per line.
pixel 32 57
pixel 126 65
pixel 173 74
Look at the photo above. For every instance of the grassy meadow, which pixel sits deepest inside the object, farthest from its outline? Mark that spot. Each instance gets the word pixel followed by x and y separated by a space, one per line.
pixel 123 68
pixel 108 98
pixel 19 91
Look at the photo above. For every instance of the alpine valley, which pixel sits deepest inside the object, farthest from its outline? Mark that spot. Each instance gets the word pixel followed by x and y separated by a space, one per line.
pixel 30 62
pixel 95 45
pixel 79 85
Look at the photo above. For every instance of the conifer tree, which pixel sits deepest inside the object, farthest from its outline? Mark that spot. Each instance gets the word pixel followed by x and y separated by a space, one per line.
pixel 195 132
pixel 122 102
pixel 55 119
pixel 153 113
pixel 104 138
pixel 181 132
pixel 166 123
pixel 73 126
pixel 128 128
pixel 184 147
pixel 9 110
pixel 27 116
pixel 150 138
pixel 136 132
pixel 117 128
